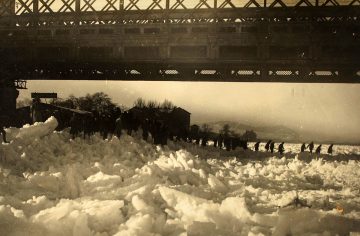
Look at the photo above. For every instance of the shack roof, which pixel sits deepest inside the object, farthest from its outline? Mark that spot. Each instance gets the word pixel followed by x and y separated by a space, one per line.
pixel 81 112
pixel 164 110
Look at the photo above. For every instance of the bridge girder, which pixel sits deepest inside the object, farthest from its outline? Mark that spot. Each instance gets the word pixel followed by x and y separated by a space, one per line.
pixel 310 41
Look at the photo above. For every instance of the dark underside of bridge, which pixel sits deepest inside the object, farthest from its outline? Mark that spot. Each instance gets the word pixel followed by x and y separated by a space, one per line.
pixel 310 41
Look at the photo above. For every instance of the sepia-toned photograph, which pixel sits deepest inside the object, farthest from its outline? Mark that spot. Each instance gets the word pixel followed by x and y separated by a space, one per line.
pixel 179 117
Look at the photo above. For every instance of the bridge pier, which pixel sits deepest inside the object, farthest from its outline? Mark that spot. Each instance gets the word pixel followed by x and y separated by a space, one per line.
pixel 8 96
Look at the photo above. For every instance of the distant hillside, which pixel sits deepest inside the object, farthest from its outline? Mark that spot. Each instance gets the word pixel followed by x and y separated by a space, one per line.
pixel 277 133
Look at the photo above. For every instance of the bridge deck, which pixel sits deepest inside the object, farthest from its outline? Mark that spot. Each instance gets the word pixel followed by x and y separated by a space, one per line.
pixel 213 42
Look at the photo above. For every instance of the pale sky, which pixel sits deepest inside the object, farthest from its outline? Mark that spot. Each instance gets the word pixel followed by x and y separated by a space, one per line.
pixel 319 111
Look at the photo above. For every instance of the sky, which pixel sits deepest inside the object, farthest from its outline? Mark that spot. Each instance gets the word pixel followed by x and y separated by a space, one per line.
pixel 316 111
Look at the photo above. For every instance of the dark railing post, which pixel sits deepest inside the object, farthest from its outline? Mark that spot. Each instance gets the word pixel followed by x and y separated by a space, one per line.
pixel 264 3
pixel 215 4
pixel 121 5
pixel 36 7
pixel 317 3
pixel 12 7
pixel 77 12
pixel 35 12
pixel 77 7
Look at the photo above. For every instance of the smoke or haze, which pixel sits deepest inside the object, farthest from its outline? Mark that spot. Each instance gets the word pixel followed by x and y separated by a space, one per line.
pixel 316 111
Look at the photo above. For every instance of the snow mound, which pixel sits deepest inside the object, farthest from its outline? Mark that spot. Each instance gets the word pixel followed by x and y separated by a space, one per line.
pixel 38 130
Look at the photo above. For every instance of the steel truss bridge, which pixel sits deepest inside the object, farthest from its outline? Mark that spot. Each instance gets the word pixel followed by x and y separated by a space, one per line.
pixel 306 41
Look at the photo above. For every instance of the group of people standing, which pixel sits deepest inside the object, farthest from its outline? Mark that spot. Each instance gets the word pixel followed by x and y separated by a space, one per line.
pixel 270 145
pixel 118 123
pixel 311 146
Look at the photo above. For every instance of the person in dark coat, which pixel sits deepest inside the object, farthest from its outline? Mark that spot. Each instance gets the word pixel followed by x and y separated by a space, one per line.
pixel 281 148
pixel 234 143
pixel 75 126
pixel 311 146
pixel 118 127
pixel 145 129
pixel 267 145
pixel 105 125
pixel 330 149
pixel 2 130
pixel 303 147
pixel 227 143
pixel 220 141
pixel 215 142
pixel 318 149
pixel 204 140
pixel 164 134
pixel 244 144
pixel 272 145
pixel 256 146
pixel 156 132
pixel 197 140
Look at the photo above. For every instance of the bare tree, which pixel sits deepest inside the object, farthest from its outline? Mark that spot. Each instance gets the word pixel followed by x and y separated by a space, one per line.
pixel 225 130
pixel 140 103
pixel 167 104
pixel 152 104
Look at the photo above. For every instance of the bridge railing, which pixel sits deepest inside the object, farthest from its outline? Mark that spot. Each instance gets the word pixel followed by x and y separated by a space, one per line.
pixel 21 7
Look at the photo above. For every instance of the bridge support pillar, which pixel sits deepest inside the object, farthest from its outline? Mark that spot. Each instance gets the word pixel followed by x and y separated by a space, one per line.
pixel 8 96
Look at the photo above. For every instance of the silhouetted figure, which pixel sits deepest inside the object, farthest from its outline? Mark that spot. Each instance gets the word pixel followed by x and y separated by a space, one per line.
pixel 36 114
pixel 243 144
pixel 197 140
pixel 204 141
pixel 267 145
pixel 95 127
pixel 118 127
pixel 227 143
pixel 220 141
pixel 88 122
pixel 318 149
pixel 215 142
pixel 256 146
pixel 156 133
pixel 145 129
pixel 311 146
pixel 303 147
pixel 330 149
pixel 2 130
pixel 281 148
pixel 105 125
pixel 235 142
pixel 272 145
pixel 164 134
pixel 126 119
pixel 75 126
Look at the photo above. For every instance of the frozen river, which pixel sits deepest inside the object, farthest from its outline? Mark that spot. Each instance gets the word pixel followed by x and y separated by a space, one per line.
pixel 51 185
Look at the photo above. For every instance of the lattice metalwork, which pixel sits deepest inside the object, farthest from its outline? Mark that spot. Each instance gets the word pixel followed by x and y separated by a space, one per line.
pixel 7 7
pixel 168 72
pixel 131 5
pixel 283 72
pixel 52 6
pixel 205 72
pixel 24 7
pixel 99 6
pixel 246 72
pixel 326 73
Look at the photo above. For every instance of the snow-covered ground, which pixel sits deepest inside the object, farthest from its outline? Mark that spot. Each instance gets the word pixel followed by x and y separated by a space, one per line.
pixel 51 185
